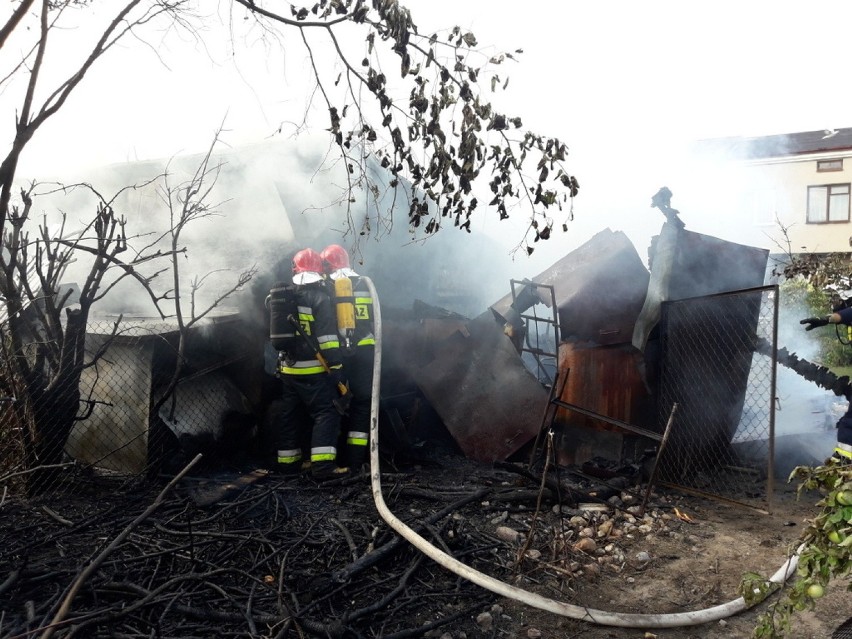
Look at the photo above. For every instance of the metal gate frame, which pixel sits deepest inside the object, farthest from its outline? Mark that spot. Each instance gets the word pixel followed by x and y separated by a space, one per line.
pixel 710 337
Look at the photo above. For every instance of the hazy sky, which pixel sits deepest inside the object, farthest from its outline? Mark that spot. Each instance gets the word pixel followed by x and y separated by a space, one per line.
pixel 625 84
pixel 635 70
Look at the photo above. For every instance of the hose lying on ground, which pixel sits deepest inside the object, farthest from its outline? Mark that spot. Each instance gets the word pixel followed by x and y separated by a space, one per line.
pixel 601 617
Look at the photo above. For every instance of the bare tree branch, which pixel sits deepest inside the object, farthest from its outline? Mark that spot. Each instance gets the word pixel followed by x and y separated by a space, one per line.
pixel 14 20
pixel 187 203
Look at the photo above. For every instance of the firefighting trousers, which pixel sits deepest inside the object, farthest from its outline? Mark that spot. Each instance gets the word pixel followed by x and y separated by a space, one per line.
pixel 311 395
pixel 844 436
pixel 356 425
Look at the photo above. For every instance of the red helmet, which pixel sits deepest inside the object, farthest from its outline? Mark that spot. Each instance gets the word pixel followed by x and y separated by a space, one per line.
pixel 307 261
pixel 335 257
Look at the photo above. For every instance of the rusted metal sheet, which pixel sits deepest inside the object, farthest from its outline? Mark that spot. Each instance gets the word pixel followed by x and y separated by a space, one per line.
pixel 490 403
pixel 599 287
pixel 606 380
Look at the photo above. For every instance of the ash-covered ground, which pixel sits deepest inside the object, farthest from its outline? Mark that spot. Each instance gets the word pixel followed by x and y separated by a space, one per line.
pixel 235 554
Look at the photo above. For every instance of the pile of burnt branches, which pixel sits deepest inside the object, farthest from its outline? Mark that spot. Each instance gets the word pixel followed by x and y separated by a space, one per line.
pixel 275 558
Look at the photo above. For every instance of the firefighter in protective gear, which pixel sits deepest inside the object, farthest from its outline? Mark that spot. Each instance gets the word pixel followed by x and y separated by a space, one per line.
pixel 843 449
pixel 358 360
pixel 306 384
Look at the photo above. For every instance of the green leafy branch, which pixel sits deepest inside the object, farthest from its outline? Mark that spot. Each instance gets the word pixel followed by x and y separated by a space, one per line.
pixel 431 127
pixel 825 553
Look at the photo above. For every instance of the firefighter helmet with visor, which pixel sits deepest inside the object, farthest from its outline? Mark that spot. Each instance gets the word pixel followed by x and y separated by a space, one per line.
pixel 307 267
pixel 335 257
pixel 336 261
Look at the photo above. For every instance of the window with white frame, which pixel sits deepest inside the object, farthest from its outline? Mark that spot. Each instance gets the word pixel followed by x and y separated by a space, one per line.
pixel 824 166
pixel 828 203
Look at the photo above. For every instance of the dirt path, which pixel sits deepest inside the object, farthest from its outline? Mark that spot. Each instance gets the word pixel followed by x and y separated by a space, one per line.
pixel 695 566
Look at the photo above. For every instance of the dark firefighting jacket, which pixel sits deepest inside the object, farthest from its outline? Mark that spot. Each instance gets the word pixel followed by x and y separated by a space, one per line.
pixel 318 321
pixel 844 425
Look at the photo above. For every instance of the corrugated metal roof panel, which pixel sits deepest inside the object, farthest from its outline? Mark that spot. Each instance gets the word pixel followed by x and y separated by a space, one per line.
pixel 599 288
pixel 488 400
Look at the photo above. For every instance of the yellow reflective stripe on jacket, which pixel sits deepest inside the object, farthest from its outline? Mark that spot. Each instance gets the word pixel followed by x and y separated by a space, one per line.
pixel 328 341
pixel 305 367
pixel 367 341
pixel 306 319
pixel 363 303
pixel 840 450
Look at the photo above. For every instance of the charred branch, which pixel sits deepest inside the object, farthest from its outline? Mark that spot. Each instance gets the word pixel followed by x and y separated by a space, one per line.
pixel 819 375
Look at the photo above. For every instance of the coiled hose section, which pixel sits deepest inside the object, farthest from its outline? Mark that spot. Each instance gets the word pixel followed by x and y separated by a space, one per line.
pixel 601 617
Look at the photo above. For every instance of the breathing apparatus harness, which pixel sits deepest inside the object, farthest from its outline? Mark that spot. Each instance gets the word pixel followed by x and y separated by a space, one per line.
pixel 840 329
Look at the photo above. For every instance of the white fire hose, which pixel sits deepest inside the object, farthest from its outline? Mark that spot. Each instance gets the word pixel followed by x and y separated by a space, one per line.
pixel 601 617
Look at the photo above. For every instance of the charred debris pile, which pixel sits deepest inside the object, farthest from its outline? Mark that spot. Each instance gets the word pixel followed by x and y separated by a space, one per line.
pixel 584 349
pixel 515 441
pixel 259 555
pixel 598 349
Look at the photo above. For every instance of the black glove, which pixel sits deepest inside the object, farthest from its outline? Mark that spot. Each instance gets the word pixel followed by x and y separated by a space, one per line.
pixel 813 322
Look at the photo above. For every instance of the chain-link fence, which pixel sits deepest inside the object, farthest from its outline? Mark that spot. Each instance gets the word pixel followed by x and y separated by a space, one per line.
pixel 718 365
pixel 125 421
